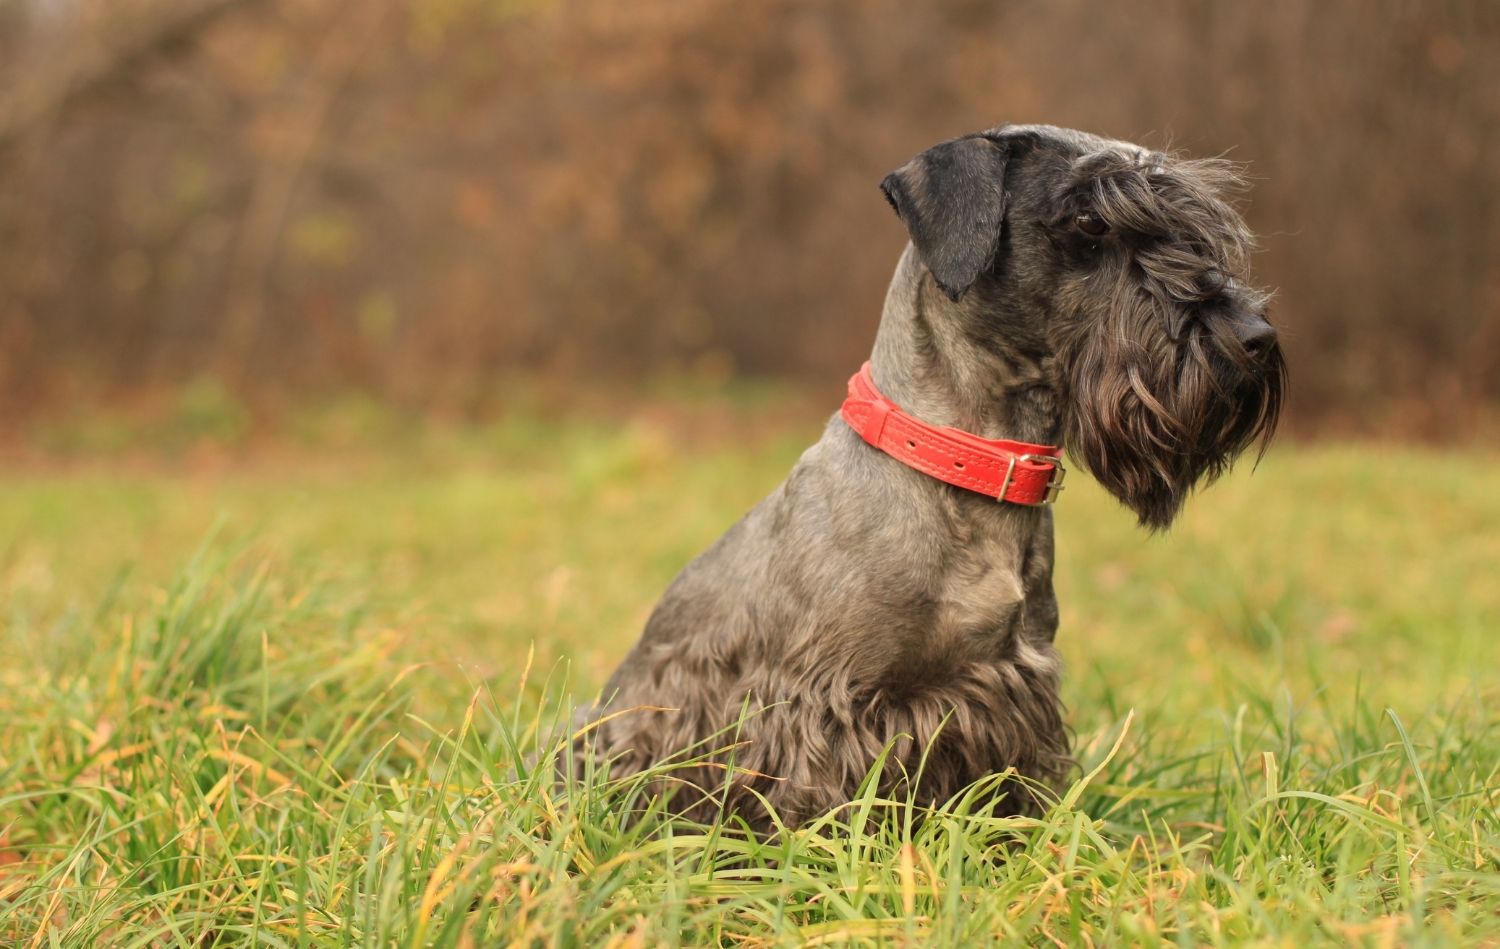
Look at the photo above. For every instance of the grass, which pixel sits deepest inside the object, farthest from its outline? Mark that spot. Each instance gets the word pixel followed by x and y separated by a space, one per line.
pixel 320 726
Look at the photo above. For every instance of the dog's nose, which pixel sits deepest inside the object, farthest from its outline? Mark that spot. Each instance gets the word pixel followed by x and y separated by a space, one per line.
pixel 1254 333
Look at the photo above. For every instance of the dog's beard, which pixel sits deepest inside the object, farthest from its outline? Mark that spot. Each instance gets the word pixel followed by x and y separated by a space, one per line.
pixel 1153 415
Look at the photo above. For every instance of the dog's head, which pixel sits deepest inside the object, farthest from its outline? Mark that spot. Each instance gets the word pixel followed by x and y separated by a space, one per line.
pixel 1125 269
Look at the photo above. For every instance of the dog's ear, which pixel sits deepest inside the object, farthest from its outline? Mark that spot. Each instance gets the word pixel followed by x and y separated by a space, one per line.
pixel 952 200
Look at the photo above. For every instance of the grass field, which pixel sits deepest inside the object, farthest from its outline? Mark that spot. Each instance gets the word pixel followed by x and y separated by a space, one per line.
pixel 294 700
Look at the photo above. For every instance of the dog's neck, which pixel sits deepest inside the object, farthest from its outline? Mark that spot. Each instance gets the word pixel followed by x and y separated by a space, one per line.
pixel 987 381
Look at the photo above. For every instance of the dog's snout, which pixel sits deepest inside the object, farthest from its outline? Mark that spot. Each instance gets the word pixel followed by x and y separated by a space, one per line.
pixel 1255 333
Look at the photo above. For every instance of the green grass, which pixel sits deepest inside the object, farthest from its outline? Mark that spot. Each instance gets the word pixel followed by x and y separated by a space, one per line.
pixel 318 726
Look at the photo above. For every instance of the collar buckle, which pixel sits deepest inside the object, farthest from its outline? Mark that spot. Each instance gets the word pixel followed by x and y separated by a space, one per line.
pixel 1054 481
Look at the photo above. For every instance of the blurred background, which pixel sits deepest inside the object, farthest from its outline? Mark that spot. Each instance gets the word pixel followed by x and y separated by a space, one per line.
pixel 369 367
pixel 435 205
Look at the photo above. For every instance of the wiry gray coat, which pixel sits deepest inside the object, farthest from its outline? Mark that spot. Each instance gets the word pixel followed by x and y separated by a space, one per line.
pixel 864 604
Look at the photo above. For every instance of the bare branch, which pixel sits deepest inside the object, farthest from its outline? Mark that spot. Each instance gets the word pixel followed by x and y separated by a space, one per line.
pixel 52 91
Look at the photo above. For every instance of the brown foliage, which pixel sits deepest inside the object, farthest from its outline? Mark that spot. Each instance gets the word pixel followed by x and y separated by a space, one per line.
pixel 419 198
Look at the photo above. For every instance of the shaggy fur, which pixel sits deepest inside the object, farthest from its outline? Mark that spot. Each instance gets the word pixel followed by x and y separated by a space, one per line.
pixel 1058 286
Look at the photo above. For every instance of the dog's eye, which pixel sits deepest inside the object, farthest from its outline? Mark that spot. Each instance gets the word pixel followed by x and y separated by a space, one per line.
pixel 1091 224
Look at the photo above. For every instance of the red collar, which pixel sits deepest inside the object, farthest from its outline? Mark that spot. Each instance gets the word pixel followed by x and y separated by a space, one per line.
pixel 1005 470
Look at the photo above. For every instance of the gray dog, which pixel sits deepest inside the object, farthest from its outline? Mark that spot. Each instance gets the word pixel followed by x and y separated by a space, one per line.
pixel 1059 289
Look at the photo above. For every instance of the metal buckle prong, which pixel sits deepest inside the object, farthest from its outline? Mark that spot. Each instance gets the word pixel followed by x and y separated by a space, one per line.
pixel 1010 470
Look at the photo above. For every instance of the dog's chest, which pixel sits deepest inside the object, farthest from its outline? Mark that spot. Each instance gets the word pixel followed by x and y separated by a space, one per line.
pixel 981 598
pixel 979 590
pixel 969 640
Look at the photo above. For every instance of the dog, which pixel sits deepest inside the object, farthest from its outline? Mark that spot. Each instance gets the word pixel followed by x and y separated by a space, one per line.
pixel 894 595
